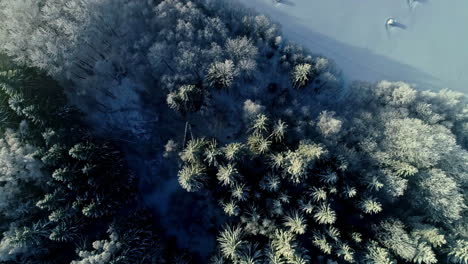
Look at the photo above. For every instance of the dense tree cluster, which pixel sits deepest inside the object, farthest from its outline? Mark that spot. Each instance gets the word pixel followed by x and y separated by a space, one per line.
pixel 374 182
pixel 96 49
pixel 60 184
pixel 111 52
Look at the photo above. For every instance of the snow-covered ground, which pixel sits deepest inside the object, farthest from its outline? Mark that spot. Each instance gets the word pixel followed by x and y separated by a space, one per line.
pixel 431 52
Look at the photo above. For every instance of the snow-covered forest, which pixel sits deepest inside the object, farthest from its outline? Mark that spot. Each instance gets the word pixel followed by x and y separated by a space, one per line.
pixel 177 131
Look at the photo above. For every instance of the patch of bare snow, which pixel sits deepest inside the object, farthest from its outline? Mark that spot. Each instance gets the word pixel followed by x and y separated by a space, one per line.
pixel 427 48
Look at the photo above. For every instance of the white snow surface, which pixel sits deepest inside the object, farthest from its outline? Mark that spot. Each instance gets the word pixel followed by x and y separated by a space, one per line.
pixel 429 51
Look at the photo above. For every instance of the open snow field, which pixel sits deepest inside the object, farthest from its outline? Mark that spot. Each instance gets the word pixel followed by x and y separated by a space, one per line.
pixel 431 52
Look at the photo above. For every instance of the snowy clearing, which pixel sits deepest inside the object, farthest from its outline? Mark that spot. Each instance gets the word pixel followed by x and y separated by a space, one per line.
pixel 428 48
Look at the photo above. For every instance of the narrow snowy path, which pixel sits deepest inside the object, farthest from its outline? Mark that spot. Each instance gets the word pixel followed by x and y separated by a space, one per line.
pixel 431 52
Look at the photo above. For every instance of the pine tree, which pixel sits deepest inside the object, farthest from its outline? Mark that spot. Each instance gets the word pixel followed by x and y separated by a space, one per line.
pixel 319 194
pixel 284 244
pixel 346 253
pixel 394 237
pixel 193 151
pixel 325 215
pixel 233 151
pixel 192 177
pixel 258 144
pixel 320 241
pixel 295 222
pixel 227 174
pixel 424 254
pixel 429 234
pixel 459 253
pixel 441 195
pixel 301 75
pixel 240 192
pixel 377 255
pixel 186 99
pixel 279 130
pixel 230 241
pixel 221 75
pixel 371 206
pixel 230 208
